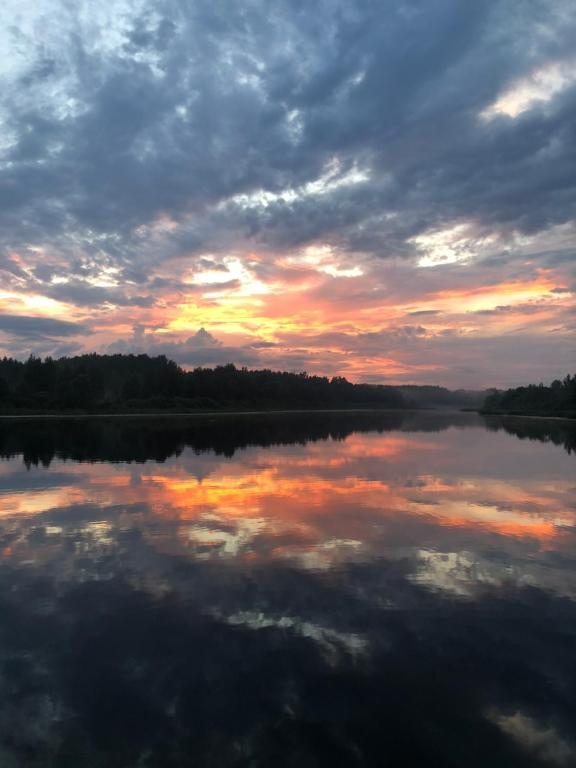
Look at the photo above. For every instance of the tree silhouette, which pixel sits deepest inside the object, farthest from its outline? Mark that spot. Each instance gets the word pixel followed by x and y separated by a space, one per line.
pixel 558 399
pixel 132 383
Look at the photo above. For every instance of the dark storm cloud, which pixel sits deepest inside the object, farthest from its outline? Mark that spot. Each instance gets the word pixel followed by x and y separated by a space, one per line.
pixel 177 110
pixel 82 293
pixel 38 327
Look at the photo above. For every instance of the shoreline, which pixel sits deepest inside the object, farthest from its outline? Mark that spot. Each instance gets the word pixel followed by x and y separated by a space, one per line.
pixel 187 414
pixel 528 416
pixel 279 411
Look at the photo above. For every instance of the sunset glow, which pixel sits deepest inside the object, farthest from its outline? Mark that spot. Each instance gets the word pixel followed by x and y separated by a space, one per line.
pixel 287 383
pixel 161 199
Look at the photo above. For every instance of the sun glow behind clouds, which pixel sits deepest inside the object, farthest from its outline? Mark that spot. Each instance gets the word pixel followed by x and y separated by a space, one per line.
pixel 458 243
pixel 322 259
pixel 332 179
pixel 36 304
pixel 539 87
pixel 231 268
pixel 491 297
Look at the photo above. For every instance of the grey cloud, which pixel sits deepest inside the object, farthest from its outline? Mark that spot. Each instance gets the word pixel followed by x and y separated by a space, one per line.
pixel 78 292
pixel 263 345
pixel 202 338
pixel 202 348
pixel 198 104
pixel 424 313
pixel 524 309
pixel 38 327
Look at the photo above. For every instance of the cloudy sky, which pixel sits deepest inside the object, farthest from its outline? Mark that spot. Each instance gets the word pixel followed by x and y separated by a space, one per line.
pixel 380 189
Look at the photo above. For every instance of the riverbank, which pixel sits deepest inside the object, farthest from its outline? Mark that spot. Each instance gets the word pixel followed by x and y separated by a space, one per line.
pixel 568 416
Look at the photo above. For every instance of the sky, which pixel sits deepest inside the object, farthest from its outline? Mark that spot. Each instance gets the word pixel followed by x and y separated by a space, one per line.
pixel 378 189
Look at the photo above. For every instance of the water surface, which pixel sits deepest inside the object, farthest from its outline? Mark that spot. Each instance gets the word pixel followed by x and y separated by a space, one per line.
pixel 300 590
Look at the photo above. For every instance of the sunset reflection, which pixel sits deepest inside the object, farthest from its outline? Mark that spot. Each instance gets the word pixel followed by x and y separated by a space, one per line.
pixel 288 569
pixel 317 504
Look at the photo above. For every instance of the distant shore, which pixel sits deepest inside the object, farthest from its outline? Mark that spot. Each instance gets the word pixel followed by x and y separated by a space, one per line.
pixel 186 414
pixel 548 417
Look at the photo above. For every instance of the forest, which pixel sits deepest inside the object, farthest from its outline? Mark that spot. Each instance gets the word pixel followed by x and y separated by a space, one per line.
pixel 142 384
pixel 557 399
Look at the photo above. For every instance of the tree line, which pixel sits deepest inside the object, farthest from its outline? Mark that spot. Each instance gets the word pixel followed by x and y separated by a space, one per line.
pixel 557 399
pixel 132 383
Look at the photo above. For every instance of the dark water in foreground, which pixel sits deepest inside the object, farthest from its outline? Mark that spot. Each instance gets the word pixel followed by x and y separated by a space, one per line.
pixel 306 590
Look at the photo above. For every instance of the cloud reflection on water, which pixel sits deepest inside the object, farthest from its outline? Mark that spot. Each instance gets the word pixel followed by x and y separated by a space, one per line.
pixel 428 559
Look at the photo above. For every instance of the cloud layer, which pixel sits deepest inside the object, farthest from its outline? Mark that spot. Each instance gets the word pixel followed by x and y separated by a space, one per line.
pixel 380 190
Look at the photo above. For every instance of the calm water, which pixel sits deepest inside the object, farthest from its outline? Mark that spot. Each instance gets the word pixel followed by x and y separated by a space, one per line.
pixel 305 590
